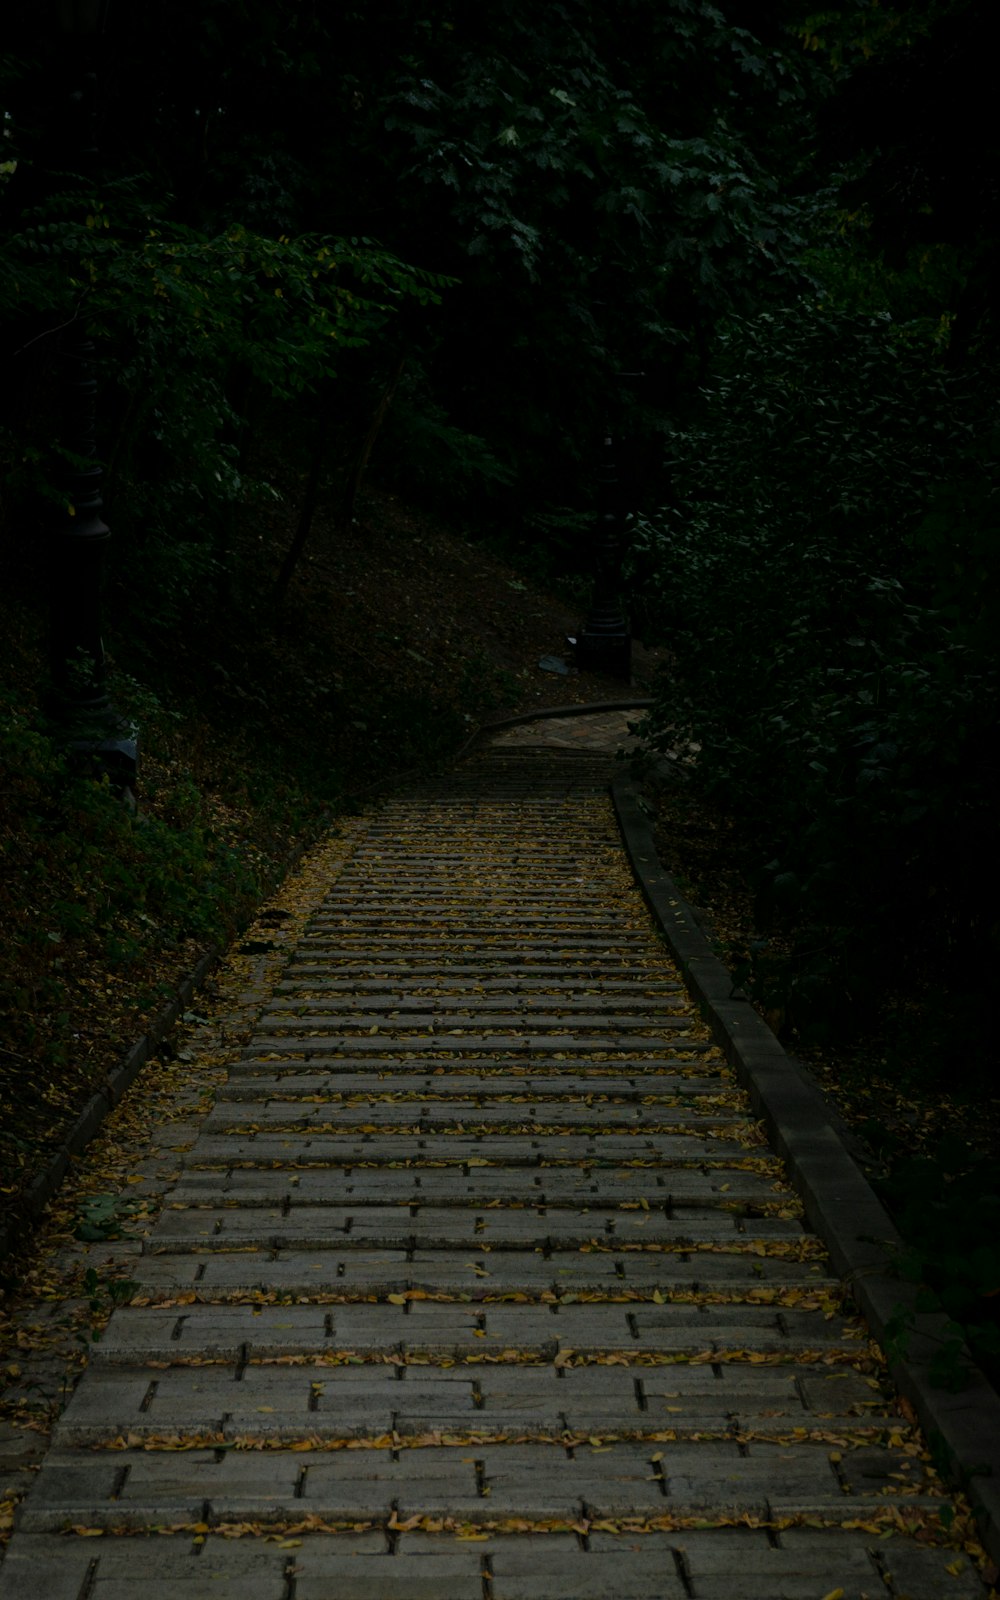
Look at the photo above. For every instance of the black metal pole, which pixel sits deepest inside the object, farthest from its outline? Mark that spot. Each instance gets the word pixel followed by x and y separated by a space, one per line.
pixel 85 721
pixel 604 643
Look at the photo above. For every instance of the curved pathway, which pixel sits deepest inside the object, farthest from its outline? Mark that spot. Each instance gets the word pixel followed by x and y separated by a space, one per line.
pixel 479 1282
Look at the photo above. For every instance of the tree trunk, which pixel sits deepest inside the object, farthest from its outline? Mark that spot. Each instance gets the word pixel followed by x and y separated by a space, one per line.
pixel 368 444
pixel 308 511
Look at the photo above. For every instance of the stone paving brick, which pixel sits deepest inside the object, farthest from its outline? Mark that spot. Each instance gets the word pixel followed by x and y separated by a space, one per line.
pixel 920 1574
pixel 549 1483
pixel 172 1568
pixel 131 1489
pixel 800 1562
pixel 366 1483
pixel 217 1333
pixel 50 1566
pixel 742 1563
pixel 742 1328
pixel 718 1270
pixel 829 1392
pixel 326 1572
pixel 554 1568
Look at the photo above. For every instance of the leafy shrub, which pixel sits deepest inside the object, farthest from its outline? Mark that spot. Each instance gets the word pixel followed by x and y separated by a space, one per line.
pixel 191 328
pixel 947 1204
pixel 433 459
pixel 92 875
pixel 828 578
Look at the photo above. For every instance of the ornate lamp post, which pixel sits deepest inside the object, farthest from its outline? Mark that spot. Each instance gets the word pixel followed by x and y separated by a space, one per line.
pixel 86 723
pixel 604 643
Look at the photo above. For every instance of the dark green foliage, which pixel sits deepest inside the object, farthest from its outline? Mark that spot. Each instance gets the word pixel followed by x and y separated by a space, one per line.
pixel 912 127
pixel 202 328
pixel 947 1204
pixel 579 192
pixel 839 658
pixel 432 460
pixel 603 190
pixel 171 870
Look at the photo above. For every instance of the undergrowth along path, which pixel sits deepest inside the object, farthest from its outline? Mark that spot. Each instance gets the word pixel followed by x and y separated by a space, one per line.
pixel 479 1281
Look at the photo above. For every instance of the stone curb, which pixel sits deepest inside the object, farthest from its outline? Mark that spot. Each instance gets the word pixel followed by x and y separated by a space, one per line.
pixel 840 1205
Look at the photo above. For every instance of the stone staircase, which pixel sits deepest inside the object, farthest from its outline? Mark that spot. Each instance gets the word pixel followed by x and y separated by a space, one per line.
pixel 479 1283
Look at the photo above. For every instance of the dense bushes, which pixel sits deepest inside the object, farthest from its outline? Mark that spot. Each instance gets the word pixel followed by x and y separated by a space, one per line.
pixel 828 577
pixel 98 908
pixel 95 871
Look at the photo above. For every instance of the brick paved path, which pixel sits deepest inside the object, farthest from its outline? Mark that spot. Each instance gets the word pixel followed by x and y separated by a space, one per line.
pixel 478 1283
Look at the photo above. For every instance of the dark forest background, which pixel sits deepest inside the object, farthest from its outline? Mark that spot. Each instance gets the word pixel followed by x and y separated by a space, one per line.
pixel 323 246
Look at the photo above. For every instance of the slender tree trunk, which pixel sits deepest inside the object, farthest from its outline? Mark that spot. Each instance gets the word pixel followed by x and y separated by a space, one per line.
pixel 309 503
pixel 310 498
pixel 368 444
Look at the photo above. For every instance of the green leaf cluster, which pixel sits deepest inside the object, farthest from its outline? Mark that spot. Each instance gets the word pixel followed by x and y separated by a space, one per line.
pixel 828 576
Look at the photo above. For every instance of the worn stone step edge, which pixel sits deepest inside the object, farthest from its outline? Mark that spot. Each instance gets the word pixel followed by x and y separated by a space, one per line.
pixel 840 1204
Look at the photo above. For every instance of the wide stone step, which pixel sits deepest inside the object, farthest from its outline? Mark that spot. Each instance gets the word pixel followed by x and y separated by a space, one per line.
pixel 252 1080
pixel 350 1270
pixel 641 1042
pixel 493 935
pixel 628 1187
pixel 512 1333
pixel 628 988
pixel 342 1112
pixel 407 1226
pixel 418 1564
pixel 316 1401
pixel 416 1147
pixel 682 1075
pixel 539 1009
pixel 480 965
pixel 760 1480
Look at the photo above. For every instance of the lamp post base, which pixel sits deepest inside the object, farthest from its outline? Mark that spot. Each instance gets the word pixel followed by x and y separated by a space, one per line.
pixel 608 653
pixel 118 757
pixel 99 740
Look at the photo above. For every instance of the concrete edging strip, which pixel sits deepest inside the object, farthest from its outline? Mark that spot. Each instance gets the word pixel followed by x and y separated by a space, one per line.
pixel 840 1204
